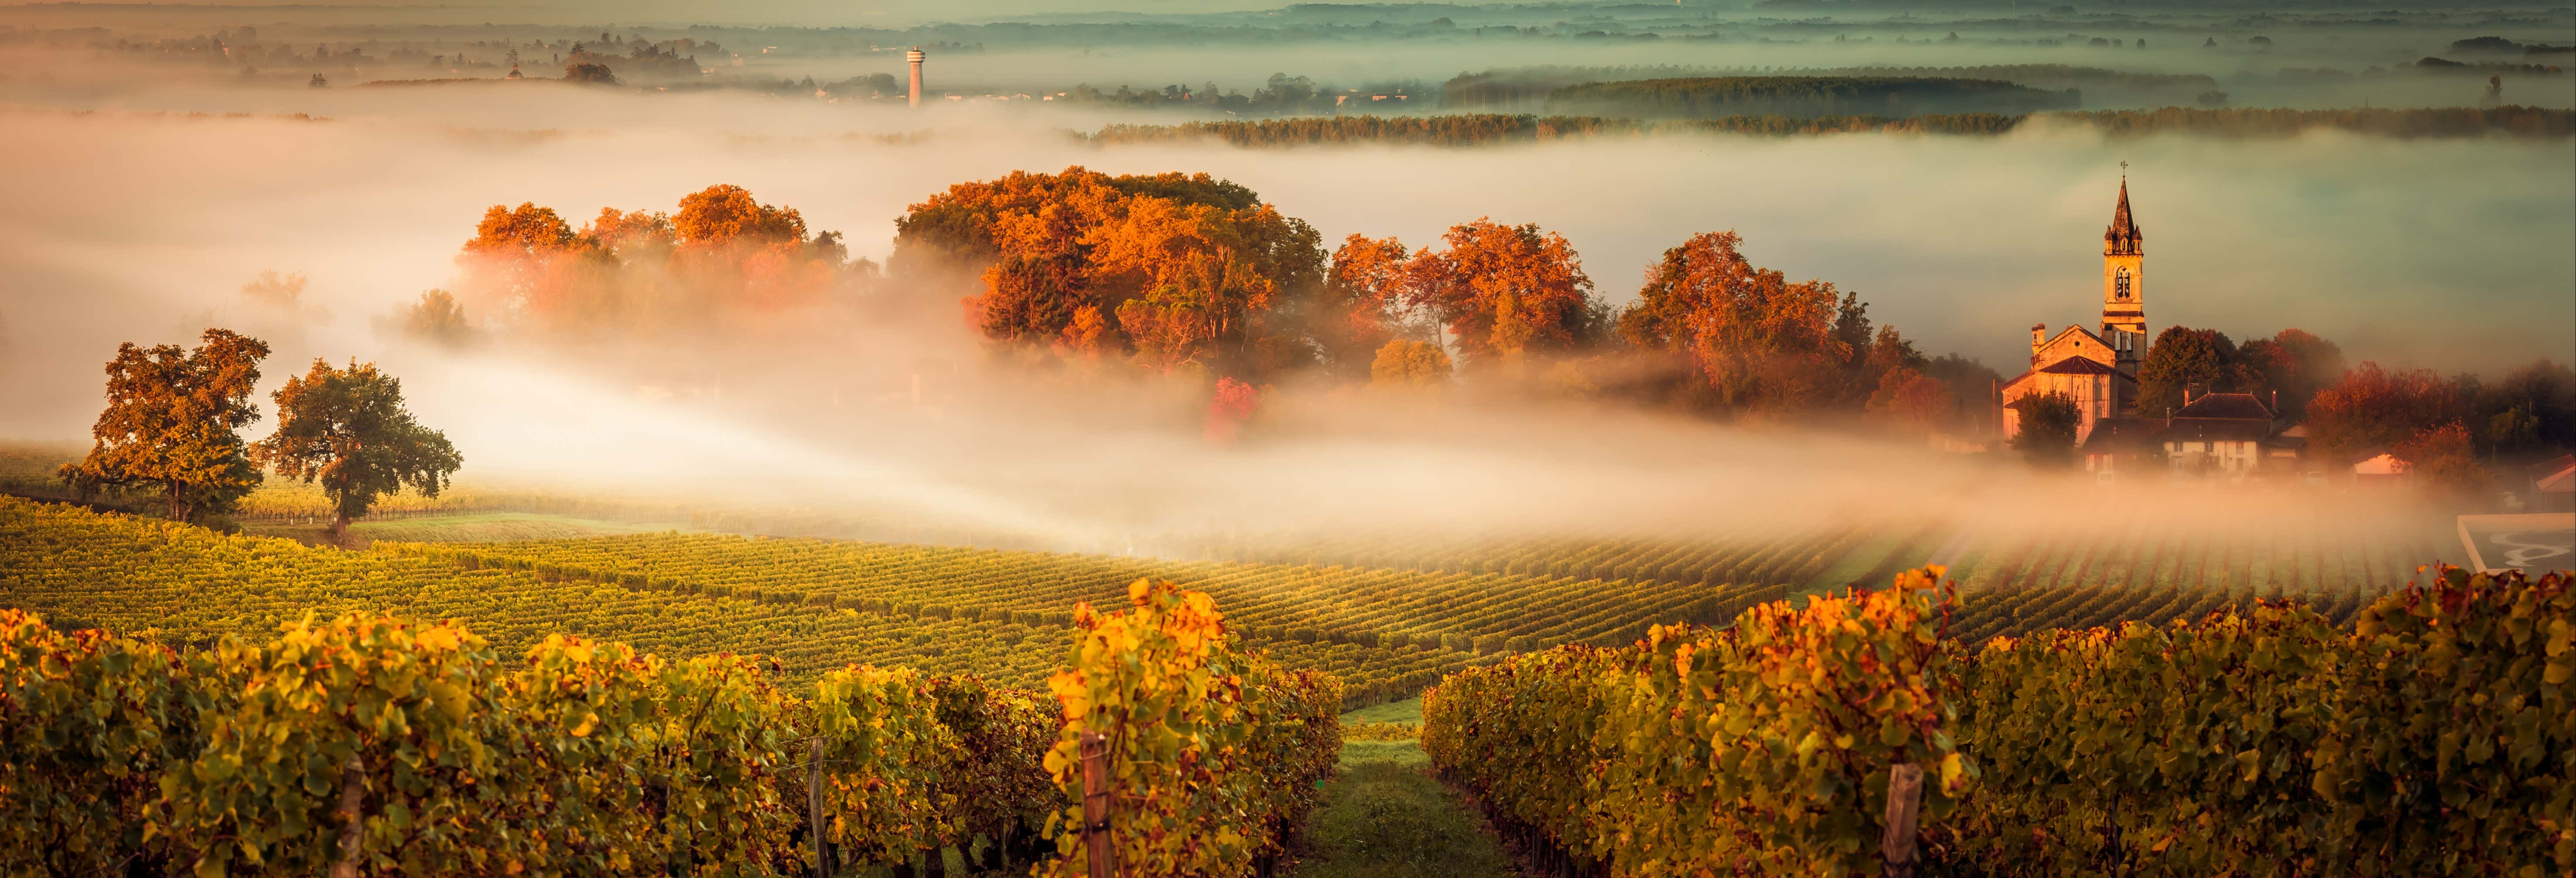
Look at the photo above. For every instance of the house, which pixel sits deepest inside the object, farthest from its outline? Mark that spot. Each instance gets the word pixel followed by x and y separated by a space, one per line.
pixel 2123 445
pixel 2098 369
pixel 2219 434
pixel 2380 467
pixel 2553 485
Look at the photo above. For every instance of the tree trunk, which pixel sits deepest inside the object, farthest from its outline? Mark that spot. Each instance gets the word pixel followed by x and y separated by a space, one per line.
pixel 340 530
pixel 353 826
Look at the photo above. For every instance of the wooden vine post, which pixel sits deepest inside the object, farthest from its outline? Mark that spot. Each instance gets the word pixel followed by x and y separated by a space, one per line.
pixel 814 808
pixel 1095 804
pixel 1904 798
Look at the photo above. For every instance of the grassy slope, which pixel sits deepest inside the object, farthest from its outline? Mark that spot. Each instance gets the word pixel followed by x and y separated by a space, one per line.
pixel 471 528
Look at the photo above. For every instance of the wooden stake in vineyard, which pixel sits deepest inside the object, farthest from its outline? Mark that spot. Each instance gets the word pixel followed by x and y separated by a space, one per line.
pixel 1095 804
pixel 814 807
pixel 1904 798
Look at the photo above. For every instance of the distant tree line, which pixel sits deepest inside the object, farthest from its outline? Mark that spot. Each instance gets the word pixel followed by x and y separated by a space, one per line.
pixel 1511 88
pixel 1479 129
pixel 1803 96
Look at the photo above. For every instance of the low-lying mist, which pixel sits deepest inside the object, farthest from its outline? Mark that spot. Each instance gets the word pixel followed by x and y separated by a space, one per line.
pixel 2448 254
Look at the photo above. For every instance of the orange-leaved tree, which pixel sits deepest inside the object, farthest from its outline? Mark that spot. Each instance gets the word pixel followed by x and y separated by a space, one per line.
pixel 1507 291
pixel 1761 342
pixel 170 421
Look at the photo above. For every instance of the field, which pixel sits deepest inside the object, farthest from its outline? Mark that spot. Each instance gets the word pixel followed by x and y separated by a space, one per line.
pixel 1389 615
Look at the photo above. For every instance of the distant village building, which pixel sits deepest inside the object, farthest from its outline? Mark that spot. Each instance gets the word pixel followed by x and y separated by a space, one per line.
pixel 2230 435
pixel 2219 434
pixel 2099 369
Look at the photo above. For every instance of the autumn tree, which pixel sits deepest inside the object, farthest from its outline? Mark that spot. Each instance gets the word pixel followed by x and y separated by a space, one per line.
pixel 2048 426
pixel 1403 363
pixel 1505 292
pixel 2294 364
pixel 527 262
pixel 722 256
pixel 2372 410
pixel 347 430
pixel 1761 342
pixel 170 421
pixel 2183 358
pixel 1366 303
pixel 1912 402
pixel 2444 459
pixel 1175 271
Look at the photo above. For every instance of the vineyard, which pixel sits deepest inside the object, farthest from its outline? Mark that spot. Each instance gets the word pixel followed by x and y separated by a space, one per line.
pixel 1467 612
pixel 2434 734
pixel 189 585
pixel 369 744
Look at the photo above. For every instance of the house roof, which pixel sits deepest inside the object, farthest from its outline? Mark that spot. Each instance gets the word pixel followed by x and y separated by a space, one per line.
pixel 2552 466
pixel 2215 430
pixel 2562 483
pixel 2226 406
pixel 2125 436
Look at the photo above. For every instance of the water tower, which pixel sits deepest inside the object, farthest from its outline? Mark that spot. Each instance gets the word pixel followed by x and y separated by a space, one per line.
pixel 914 56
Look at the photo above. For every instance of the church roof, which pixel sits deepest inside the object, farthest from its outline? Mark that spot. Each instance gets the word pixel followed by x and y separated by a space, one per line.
pixel 2225 406
pixel 2073 366
pixel 2124 236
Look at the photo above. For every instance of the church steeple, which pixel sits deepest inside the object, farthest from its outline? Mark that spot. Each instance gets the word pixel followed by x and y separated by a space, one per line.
pixel 2124 285
pixel 2123 237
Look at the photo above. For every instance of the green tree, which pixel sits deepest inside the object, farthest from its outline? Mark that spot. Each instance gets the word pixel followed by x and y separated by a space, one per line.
pixel 347 429
pixel 2047 435
pixel 2532 409
pixel 2201 360
pixel 169 425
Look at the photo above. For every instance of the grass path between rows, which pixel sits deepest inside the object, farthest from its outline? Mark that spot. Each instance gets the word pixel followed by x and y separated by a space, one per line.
pixel 1385 816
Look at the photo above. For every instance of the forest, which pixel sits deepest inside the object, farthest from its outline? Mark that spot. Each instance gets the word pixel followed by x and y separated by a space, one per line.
pixel 1494 128
pixel 1717 97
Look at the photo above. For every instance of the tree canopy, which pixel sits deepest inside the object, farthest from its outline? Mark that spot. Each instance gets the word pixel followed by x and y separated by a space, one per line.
pixel 2372 410
pixel 2194 360
pixel 722 256
pixel 347 430
pixel 1170 271
pixel 1761 342
pixel 2048 425
pixel 170 424
pixel 1508 291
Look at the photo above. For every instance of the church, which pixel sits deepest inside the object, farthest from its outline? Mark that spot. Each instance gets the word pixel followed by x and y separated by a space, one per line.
pixel 2096 367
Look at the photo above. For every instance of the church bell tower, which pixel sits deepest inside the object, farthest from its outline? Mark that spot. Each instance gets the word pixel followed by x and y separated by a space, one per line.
pixel 2124 285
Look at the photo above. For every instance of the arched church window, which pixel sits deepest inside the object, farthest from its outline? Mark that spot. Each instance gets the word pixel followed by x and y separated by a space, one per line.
pixel 2120 283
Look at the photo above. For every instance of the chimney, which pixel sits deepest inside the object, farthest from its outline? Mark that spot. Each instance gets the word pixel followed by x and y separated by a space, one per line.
pixel 2038 337
pixel 2276 403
